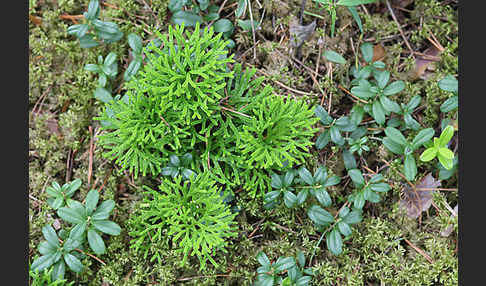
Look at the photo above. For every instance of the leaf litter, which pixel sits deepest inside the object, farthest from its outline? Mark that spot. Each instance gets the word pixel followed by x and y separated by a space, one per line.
pixel 419 198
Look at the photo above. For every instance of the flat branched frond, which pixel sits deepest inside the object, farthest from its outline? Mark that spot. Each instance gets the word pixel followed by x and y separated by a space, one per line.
pixel 174 103
pixel 138 138
pixel 189 72
pixel 192 213
pixel 278 131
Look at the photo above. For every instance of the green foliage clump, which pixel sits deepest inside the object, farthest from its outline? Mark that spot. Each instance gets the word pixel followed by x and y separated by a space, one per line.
pixel 269 273
pixel 44 279
pixel 439 149
pixel 187 100
pixel 279 131
pixel 191 212
pixel 173 101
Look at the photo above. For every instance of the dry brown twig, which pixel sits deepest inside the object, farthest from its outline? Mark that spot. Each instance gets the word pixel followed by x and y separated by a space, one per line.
pixel 400 29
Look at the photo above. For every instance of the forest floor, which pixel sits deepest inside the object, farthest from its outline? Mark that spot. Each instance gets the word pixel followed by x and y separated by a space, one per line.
pixel 387 248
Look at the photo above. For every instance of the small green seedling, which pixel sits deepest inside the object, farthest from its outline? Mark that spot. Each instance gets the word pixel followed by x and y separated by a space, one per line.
pixel 269 273
pixel 449 83
pixel 179 166
pixel 135 42
pixel 396 143
pixel 190 13
pixel 358 145
pixel 106 31
pixel 445 174
pixel 331 5
pixel 57 253
pixel 61 196
pixel 90 219
pixel 314 185
pixel 106 69
pixel 376 93
pixel 366 190
pixel 406 110
pixel 440 150
pixel 333 127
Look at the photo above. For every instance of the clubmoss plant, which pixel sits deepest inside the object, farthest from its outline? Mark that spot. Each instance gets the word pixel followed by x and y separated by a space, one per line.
pixel 173 101
pixel 279 130
pixel 187 100
pixel 192 213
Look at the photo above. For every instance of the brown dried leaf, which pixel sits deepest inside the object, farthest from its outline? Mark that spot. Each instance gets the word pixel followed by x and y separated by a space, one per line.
pixel 417 200
pixel 35 19
pixel 56 224
pixel 424 64
pixel 300 34
pixel 378 53
pixel 53 126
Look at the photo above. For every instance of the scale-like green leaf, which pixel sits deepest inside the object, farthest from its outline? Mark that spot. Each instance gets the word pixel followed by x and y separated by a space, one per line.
pixel 103 210
pixel 91 201
pixel 290 199
pixel 422 137
pixel 73 263
pixel 306 176
pixel 428 154
pixel 323 197
pixel 356 177
pixel 107 227
pixel 223 25
pixel 409 167
pixel 394 87
pixel 71 215
pixel 334 57
pixel 353 217
pixel 95 242
pixel 449 83
pixel 319 216
pixel 262 258
pixel 334 242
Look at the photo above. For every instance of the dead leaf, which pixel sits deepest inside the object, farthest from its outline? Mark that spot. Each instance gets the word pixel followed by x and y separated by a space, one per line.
pixel 446 232
pixel 35 19
pixel 378 53
pixel 53 126
pixel 419 199
pixel 56 224
pixel 424 64
pixel 300 34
